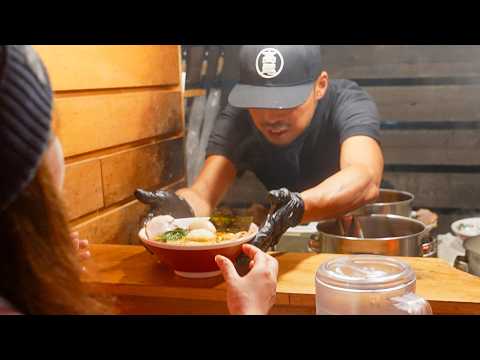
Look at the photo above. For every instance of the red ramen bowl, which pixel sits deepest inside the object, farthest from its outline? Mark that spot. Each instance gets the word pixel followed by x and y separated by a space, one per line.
pixel 196 261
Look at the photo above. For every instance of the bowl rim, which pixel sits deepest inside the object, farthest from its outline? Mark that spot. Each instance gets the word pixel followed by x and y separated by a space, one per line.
pixel 455 224
pixel 252 231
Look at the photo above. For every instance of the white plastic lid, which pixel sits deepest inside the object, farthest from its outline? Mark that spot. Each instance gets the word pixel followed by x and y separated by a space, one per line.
pixel 365 273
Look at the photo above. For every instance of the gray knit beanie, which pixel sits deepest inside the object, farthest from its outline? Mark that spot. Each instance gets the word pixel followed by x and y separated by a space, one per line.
pixel 25 118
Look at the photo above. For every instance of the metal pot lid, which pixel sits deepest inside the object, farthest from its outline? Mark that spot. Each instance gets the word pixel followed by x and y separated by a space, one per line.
pixel 365 273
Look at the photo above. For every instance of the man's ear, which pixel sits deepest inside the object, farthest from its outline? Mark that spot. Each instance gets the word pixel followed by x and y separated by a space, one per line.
pixel 321 85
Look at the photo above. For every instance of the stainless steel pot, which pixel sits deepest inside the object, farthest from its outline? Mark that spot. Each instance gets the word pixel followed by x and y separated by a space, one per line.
pixel 389 202
pixel 380 234
pixel 471 261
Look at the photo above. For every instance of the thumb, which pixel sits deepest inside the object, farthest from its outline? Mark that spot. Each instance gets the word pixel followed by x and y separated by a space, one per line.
pixel 227 268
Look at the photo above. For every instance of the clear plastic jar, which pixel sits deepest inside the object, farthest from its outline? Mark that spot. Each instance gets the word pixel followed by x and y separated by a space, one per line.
pixel 367 285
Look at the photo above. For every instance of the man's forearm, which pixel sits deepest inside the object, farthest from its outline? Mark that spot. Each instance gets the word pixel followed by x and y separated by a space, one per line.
pixel 216 176
pixel 200 206
pixel 345 191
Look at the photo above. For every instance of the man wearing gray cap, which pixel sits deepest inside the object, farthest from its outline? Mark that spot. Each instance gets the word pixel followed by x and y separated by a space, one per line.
pixel 312 141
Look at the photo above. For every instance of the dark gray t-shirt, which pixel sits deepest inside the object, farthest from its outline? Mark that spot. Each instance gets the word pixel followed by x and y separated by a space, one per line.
pixel 346 110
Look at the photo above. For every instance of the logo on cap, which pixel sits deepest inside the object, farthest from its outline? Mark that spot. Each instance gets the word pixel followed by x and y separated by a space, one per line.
pixel 269 63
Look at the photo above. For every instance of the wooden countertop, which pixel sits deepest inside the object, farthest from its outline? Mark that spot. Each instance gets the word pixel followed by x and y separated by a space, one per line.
pixel 144 286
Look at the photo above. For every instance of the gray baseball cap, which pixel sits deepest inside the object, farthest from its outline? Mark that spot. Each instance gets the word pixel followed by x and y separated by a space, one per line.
pixel 276 76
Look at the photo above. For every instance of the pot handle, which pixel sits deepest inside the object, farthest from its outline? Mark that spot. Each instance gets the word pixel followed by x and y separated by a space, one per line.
pixel 429 248
pixel 412 304
pixel 461 263
pixel 313 243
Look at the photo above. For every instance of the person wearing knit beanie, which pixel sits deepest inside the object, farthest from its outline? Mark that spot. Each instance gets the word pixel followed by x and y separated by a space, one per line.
pixel 25 118
pixel 33 224
pixel 25 126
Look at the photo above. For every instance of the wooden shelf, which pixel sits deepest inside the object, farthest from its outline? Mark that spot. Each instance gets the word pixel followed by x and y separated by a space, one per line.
pixel 194 93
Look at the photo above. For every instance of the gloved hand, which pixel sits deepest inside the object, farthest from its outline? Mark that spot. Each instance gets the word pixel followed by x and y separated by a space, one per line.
pixel 164 203
pixel 286 210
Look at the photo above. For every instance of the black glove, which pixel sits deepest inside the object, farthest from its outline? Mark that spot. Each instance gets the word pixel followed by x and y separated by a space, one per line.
pixel 164 203
pixel 286 210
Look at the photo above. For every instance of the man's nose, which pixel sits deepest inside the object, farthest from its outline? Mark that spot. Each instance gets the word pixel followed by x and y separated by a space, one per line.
pixel 271 122
pixel 273 118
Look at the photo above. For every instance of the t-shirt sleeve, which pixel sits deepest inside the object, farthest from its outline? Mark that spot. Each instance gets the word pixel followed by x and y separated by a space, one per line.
pixel 356 114
pixel 228 134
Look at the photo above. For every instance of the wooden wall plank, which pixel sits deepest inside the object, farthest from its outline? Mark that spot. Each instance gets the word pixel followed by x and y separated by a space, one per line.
pixel 83 188
pixel 125 171
pixel 427 103
pixel 175 162
pixel 117 226
pixel 115 108
pixel 81 67
pixel 401 61
pixel 96 121
pixel 431 147
pixel 439 190
pixel 146 167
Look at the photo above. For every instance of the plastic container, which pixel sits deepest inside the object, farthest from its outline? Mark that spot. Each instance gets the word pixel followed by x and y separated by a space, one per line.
pixel 367 285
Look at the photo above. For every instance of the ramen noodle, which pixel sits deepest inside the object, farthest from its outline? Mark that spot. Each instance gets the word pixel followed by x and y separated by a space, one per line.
pixel 199 232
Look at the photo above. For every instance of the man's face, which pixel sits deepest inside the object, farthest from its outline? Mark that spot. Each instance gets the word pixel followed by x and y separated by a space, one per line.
pixel 282 127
